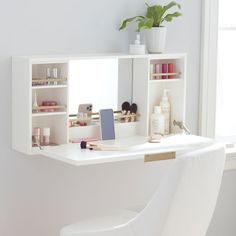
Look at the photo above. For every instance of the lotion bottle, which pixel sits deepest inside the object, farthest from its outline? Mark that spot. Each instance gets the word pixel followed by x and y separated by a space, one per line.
pixel 165 108
pixel 137 47
pixel 157 122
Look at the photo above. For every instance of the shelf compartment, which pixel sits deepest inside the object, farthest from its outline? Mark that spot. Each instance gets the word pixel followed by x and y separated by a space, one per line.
pixel 175 71
pixel 57 97
pixel 57 122
pixel 176 97
pixel 42 74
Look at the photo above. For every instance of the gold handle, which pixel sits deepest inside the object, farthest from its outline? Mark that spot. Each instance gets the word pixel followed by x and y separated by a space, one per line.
pixel 159 156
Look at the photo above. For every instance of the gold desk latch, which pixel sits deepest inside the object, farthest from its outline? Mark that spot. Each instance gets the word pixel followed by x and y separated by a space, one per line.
pixel 159 156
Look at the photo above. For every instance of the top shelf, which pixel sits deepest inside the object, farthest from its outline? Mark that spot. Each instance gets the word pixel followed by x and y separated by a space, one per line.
pixel 39 59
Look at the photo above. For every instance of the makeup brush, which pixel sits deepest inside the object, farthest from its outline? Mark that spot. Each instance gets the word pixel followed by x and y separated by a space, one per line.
pixel 97 147
pixel 125 106
pixel 133 111
pixel 86 145
pixel 125 110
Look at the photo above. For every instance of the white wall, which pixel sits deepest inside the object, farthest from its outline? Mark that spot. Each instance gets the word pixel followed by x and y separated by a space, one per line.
pixel 38 196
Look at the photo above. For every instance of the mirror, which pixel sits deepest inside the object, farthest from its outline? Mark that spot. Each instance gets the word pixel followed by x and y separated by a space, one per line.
pixel 104 83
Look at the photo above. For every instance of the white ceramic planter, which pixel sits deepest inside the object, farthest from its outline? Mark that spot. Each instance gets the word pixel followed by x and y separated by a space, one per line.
pixel 155 39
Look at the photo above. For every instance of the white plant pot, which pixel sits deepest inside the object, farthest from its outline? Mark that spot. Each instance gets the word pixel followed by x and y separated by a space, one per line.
pixel 155 39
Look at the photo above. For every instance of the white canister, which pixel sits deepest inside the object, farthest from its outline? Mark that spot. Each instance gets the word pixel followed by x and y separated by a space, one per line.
pixel 46 136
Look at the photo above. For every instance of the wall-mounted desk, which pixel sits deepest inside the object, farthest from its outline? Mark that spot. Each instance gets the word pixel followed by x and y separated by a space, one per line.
pixel 131 148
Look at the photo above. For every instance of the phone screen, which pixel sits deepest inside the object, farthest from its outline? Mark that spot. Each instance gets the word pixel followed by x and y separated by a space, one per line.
pixel 107 124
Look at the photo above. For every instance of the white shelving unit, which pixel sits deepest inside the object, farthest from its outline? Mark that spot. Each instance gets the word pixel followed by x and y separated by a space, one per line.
pixel 146 93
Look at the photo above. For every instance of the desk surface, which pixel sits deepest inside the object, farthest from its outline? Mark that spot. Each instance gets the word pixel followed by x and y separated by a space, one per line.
pixel 131 148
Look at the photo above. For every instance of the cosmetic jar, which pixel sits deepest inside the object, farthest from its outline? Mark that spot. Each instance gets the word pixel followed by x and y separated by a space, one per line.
pixel 46 136
pixel 37 135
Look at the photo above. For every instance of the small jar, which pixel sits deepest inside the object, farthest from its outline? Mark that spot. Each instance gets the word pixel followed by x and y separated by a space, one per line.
pixel 46 136
pixel 36 136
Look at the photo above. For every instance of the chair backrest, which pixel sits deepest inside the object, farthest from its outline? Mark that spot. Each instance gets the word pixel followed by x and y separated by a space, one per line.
pixel 184 202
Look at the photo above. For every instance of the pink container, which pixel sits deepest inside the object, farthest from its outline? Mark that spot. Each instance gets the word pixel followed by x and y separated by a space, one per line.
pixel 164 70
pixel 170 70
pixel 157 71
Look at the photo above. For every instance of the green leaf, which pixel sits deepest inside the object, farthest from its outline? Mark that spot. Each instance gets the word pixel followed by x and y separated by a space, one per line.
pixel 128 20
pixel 147 5
pixel 145 23
pixel 155 12
pixel 155 15
pixel 158 15
pixel 170 5
pixel 169 17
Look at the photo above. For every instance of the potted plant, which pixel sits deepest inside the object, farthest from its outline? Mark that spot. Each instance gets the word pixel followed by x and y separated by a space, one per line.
pixel 155 33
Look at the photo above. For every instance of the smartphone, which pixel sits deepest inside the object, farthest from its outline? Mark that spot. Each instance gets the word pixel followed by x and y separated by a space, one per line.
pixel 107 124
pixel 84 111
pixel 85 108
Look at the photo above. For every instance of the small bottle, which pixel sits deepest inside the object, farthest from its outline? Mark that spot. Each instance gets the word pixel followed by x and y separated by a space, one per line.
pixel 157 122
pixel 151 71
pixel 35 104
pixel 54 74
pixel 170 70
pixel 137 40
pixel 158 70
pixel 36 136
pixel 48 75
pixel 164 70
pixel 165 108
pixel 137 47
pixel 46 136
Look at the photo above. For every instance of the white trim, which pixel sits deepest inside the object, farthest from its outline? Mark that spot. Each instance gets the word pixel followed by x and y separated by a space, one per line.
pixel 208 73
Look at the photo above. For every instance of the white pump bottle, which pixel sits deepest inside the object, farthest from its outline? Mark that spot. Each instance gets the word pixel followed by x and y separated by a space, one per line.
pixel 157 122
pixel 165 108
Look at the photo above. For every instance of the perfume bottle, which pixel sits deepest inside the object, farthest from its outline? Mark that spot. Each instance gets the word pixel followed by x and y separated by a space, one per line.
pixel 48 75
pixel 35 104
pixel 54 75
pixel 36 136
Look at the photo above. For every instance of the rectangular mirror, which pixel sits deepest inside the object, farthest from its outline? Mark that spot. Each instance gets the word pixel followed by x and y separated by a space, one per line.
pixel 104 83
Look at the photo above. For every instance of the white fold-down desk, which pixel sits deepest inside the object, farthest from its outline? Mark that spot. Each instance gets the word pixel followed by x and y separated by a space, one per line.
pixel 131 148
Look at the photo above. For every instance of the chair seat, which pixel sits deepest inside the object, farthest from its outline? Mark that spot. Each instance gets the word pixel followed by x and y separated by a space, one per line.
pixel 106 222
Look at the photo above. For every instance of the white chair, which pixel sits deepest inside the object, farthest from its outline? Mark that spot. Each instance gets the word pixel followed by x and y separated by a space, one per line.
pixel 183 204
